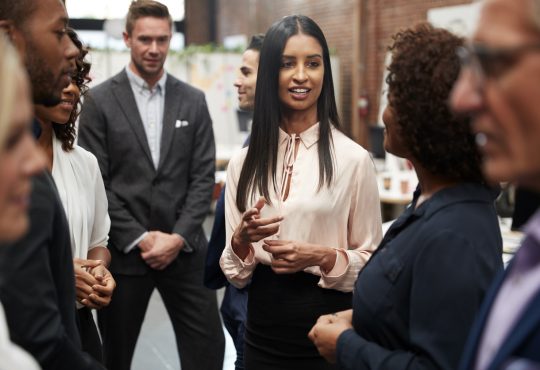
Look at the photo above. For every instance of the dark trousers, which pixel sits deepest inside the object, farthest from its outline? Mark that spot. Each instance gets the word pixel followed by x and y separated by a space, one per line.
pixel 234 313
pixel 90 341
pixel 192 309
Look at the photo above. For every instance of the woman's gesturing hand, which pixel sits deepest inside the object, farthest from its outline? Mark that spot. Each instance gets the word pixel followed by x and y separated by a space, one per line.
pixel 253 228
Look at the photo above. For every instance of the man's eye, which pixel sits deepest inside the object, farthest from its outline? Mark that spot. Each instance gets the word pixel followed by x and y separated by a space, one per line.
pixel 495 65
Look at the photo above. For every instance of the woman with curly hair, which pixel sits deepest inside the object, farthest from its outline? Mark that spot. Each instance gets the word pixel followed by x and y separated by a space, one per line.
pixel 416 299
pixel 80 185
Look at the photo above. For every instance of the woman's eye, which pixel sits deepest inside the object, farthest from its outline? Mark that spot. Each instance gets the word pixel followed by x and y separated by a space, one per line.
pixel 286 64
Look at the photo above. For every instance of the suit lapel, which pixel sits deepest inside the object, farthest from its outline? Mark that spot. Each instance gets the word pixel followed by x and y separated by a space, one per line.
pixel 173 99
pixel 124 94
pixel 528 321
pixel 471 349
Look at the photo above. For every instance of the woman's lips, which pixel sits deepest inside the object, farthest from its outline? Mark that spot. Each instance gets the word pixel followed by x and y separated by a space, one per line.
pixel 299 93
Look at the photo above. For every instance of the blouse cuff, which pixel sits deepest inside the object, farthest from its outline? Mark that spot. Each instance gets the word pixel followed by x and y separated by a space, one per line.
pixel 339 269
pixel 248 261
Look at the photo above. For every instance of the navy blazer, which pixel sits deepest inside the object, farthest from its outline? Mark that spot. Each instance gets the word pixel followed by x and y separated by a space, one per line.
pixel 213 276
pixel 523 341
pixel 416 299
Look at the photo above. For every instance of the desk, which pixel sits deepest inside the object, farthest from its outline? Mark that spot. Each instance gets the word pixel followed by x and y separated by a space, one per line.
pixel 396 187
pixel 395 191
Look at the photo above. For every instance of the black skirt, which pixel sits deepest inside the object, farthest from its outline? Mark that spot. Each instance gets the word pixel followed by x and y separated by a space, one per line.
pixel 282 309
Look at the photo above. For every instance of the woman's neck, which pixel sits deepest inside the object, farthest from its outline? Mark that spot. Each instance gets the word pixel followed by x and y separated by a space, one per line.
pixel 429 182
pixel 298 122
pixel 45 140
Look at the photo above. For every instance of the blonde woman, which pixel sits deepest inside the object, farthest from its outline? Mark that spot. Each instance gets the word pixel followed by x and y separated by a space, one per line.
pixel 19 160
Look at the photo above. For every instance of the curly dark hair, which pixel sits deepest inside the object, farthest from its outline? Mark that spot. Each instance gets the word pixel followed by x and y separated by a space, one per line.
pixel 423 70
pixel 66 133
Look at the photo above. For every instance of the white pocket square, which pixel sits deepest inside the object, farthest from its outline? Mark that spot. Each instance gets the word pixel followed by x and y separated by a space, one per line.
pixel 180 123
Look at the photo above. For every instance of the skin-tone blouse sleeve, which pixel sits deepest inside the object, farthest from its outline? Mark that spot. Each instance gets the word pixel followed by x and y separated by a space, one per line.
pixel 238 272
pixel 364 230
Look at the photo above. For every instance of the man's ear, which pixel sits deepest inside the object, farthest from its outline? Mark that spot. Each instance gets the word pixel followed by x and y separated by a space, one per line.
pixel 127 39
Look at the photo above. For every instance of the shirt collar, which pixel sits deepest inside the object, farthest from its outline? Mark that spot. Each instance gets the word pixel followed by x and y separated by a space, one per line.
pixel 308 137
pixel 465 192
pixel 140 84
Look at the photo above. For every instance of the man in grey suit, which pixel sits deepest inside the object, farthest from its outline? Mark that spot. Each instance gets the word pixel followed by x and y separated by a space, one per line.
pixel 152 135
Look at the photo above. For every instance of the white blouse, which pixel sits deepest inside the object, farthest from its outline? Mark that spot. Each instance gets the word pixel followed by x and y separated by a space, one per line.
pixel 345 216
pixel 80 185
pixel 12 356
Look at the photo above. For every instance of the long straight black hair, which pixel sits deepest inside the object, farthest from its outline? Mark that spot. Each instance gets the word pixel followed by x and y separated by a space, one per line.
pixel 261 159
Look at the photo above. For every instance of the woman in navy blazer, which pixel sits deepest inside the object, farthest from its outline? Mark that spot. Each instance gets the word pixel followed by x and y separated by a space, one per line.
pixel 416 299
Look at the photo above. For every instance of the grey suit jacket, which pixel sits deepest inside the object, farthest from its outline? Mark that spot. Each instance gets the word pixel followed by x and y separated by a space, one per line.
pixel 176 196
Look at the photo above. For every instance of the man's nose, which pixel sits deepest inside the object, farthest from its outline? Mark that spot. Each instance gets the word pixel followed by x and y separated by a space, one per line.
pixel 466 97
pixel 71 51
pixel 154 47
pixel 238 82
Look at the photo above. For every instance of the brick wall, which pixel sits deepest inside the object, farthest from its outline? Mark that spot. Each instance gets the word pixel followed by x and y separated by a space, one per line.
pixel 385 17
pixel 197 29
pixel 337 18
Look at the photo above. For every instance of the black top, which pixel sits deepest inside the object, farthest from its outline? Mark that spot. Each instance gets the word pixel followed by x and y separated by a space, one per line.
pixel 416 299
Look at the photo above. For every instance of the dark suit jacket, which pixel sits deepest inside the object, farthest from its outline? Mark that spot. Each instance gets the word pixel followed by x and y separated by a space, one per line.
pixel 523 341
pixel 176 196
pixel 213 276
pixel 37 286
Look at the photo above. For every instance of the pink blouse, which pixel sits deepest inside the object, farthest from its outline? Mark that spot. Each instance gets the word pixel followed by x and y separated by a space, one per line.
pixel 345 216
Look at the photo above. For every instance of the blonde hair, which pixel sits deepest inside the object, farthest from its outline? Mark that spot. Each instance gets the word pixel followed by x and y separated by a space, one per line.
pixel 10 69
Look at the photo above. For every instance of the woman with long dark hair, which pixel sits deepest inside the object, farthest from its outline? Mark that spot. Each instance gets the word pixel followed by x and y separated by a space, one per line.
pixel 416 299
pixel 302 206
pixel 80 185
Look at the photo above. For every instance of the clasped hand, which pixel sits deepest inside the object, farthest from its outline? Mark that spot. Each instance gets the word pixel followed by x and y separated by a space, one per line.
pixel 159 249
pixel 327 330
pixel 94 283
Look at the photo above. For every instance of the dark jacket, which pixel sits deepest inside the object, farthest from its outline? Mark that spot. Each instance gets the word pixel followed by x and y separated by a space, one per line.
pixel 416 299
pixel 37 286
